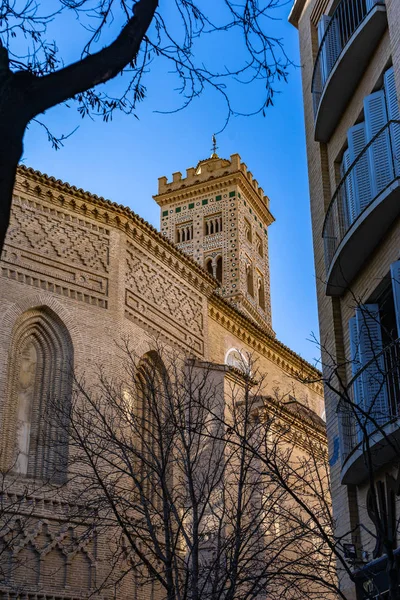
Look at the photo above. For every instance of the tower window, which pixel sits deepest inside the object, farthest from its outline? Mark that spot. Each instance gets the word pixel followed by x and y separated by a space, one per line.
pixel 184 232
pixel 249 278
pixel 259 245
pixel 209 267
pixel 213 224
pixel 261 291
pixel 247 230
pixel 219 269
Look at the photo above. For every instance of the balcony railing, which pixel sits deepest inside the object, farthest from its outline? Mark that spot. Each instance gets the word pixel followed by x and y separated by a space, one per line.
pixel 345 21
pixel 377 385
pixel 374 169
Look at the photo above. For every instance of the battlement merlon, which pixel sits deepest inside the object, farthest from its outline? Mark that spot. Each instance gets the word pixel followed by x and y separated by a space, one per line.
pixel 211 174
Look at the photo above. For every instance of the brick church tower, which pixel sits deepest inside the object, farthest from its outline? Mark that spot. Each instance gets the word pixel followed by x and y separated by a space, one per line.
pixel 219 215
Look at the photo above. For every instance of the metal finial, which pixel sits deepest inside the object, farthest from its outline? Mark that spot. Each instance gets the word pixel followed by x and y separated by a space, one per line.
pixel 214 146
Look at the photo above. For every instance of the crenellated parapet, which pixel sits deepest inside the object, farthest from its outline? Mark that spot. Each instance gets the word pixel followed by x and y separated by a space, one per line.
pixel 204 173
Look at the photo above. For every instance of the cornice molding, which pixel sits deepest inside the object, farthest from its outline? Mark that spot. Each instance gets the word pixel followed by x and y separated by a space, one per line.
pixel 232 319
pixel 303 423
pixel 113 215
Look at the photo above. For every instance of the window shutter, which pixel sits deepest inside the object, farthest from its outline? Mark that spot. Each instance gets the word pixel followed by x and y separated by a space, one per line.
pixel 331 48
pixel 395 273
pixel 348 189
pixel 357 391
pixel 373 377
pixel 379 152
pixel 392 105
pixel 322 25
pixel 361 171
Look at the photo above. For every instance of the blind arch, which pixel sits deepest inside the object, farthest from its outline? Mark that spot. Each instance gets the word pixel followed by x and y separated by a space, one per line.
pixel 39 374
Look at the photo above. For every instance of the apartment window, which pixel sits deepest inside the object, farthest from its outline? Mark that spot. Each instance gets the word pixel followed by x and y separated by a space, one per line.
pixel 184 232
pixel 376 166
pixel 375 356
pixel 213 224
pixel 247 230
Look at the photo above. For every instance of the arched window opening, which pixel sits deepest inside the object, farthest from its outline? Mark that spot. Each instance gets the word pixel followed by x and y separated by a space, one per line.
pixel 40 387
pixel 219 269
pixel 213 224
pixel 261 293
pixel 236 358
pixel 249 279
pixel 152 411
pixel 247 230
pixel 184 232
pixel 209 267
pixel 259 245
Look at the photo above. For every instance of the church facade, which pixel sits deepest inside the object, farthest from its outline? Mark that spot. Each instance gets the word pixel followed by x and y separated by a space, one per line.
pixel 78 274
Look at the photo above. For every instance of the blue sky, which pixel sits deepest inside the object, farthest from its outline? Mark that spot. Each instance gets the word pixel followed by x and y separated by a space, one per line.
pixel 122 161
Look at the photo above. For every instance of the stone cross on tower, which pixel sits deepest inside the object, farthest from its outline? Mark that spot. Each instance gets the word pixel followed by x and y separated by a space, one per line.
pixel 219 215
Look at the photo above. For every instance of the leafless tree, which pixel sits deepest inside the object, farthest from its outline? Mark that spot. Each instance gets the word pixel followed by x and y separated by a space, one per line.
pixel 206 489
pixel 33 77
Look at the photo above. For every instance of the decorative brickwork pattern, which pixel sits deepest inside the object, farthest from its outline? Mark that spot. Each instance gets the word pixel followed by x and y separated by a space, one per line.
pixel 164 299
pixel 69 256
pixel 47 557
pixel 54 234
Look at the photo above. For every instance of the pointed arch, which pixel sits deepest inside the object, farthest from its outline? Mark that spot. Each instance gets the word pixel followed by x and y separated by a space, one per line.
pixel 39 374
pixel 153 387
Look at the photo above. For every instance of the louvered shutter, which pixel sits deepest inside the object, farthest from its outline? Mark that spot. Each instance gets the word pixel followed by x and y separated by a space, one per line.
pixel 357 390
pixel 361 171
pixel 379 151
pixel 395 273
pixel 373 376
pixel 349 208
pixel 393 110
pixel 331 45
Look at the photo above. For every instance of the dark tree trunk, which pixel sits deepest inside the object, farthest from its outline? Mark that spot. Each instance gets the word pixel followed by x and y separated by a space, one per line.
pixel 14 117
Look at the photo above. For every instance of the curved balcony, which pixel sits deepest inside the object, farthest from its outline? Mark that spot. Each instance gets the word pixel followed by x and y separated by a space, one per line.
pixel 364 206
pixel 379 418
pixel 346 47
